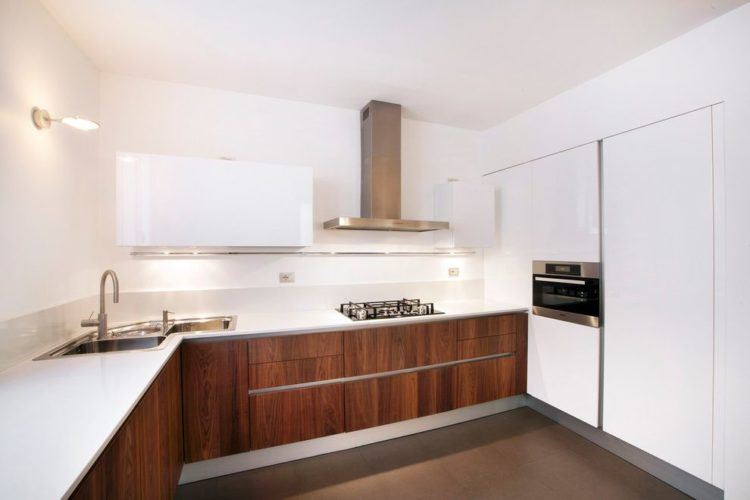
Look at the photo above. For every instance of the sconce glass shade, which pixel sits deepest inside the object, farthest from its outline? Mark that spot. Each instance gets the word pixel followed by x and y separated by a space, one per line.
pixel 42 120
pixel 80 123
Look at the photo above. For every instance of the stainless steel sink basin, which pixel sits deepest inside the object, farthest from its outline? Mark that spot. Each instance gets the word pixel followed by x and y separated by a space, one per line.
pixel 203 324
pixel 113 345
pixel 137 336
pixel 136 330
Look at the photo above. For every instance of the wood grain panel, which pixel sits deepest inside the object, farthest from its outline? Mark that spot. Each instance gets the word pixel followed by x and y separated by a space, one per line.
pixel 215 404
pixel 381 401
pixel 297 371
pixel 361 352
pixel 486 326
pixel 522 340
pixel 482 381
pixel 144 458
pixel 399 347
pixel 486 346
pixel 436 390
pixel 289 416
pixel 290 347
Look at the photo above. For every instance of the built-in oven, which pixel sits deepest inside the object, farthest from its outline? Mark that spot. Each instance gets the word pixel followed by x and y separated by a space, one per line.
pixel 568 291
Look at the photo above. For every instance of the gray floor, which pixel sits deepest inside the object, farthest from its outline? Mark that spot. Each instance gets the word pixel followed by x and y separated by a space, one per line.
pixel 517 454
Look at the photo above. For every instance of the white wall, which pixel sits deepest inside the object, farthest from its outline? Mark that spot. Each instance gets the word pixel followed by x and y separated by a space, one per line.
pixel 146 116
pixel 48 178
pixel 707 65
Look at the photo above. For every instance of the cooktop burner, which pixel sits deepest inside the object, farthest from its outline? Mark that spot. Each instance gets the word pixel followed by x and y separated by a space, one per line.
pixel 385 309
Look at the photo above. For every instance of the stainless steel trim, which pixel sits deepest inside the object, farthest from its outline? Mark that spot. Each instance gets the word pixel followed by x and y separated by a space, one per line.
pixel 362 223
pixel 588 269
pixel 380 193
pixel 579 319
pixel 369 376
pixel 560 280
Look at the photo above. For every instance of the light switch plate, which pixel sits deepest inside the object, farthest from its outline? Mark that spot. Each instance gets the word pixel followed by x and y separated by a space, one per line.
pixel 452 271
pixel 286 277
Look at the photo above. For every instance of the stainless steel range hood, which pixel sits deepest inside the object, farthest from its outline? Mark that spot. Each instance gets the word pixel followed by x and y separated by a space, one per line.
pixel 380 199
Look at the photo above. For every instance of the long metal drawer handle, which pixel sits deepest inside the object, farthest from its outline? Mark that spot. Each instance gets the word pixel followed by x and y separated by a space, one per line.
pixel 355 378
pixel 560 280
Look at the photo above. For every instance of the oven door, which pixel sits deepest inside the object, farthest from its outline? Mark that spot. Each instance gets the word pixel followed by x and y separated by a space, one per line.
pixel 571 299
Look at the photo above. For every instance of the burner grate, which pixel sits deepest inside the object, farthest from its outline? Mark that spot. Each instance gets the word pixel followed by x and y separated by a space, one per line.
pixel 384 309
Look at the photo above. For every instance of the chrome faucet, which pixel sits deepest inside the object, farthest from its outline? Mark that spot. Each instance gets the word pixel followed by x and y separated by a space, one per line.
pixel 101 320
pixel 165 321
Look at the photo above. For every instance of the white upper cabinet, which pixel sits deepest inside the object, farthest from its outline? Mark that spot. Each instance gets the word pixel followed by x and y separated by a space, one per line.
pixel 469 207
pixel 565 206
pixel 658 253
pixel 169 201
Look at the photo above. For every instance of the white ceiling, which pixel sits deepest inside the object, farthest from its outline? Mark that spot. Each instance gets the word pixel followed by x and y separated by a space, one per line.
pixel 467 63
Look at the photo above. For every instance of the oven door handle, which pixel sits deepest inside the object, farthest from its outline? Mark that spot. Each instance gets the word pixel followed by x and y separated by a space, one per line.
pixel 560 280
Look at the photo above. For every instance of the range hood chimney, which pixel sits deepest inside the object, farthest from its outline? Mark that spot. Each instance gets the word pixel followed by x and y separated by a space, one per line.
pixel 380 198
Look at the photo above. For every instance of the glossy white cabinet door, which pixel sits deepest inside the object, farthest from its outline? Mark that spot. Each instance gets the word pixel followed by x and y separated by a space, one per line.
pixel 563 367
pixel 565 206
pixel 169 201
pixel 469 206
pixel 658 290
pixel 507 264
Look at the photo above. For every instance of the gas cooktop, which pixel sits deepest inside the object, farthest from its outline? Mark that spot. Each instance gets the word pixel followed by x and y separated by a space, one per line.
pixel 385 309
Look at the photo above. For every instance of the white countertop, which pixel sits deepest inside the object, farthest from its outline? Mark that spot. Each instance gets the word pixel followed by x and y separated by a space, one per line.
pixel 58 415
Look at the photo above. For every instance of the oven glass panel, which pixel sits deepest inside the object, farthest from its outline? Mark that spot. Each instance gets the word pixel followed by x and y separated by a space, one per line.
pixel 581 297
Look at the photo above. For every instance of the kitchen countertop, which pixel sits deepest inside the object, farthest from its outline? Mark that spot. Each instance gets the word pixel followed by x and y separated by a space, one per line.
pixel 58 415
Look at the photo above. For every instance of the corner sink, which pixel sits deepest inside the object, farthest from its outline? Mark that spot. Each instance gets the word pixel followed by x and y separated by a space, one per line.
pixel 137 336
pixel 114 345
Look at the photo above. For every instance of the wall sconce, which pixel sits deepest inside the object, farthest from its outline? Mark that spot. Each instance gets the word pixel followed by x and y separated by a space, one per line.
pixel 42 120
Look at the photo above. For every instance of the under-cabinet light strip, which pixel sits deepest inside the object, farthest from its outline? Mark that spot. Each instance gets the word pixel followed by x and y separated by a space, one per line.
pixel 188 253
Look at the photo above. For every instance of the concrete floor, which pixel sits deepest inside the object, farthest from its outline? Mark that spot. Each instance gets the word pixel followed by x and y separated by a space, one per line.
pixel 517 454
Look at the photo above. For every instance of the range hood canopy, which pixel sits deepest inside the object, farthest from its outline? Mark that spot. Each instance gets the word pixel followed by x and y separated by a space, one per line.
pixel 380 198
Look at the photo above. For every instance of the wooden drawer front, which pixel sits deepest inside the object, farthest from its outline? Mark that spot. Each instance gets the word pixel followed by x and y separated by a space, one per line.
pixel 298 371
pixel 214 398
pixel 396 348
pixel 289 416
pixel 487 326
pixel 487 380
pixel 437 390
pixel 486 346
pixel 380 401
pixel 290 347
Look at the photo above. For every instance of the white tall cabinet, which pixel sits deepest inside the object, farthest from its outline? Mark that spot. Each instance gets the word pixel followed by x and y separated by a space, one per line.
pixel 658 277
pixel 548 209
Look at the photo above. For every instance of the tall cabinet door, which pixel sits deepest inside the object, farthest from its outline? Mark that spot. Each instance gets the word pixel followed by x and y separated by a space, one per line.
pixel 565 206
pixel 657 215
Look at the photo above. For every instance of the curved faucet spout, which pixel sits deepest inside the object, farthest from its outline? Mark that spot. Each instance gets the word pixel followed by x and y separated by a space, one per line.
pixel 115 289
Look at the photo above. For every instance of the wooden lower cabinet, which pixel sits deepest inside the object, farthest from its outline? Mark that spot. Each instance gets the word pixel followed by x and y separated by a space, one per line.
pixel 298 371
pixel 379 401
pixel 289 347
pixel 144 458
pixel 400 347
pixel 221 418
pixel 215 402
pixel 487 380
pixel 385 400
pixel 288 416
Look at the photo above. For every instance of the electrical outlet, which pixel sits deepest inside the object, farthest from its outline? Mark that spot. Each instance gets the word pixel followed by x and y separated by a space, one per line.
pixel 286 277
pixel 452 271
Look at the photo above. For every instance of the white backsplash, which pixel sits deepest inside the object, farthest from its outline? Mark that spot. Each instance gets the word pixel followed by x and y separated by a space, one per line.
pixel 33 334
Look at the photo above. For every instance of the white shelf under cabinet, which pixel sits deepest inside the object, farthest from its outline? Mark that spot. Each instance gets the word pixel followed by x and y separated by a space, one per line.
pixel 170 201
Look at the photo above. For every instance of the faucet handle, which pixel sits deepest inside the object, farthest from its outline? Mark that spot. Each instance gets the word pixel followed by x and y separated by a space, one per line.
pixel 90 322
